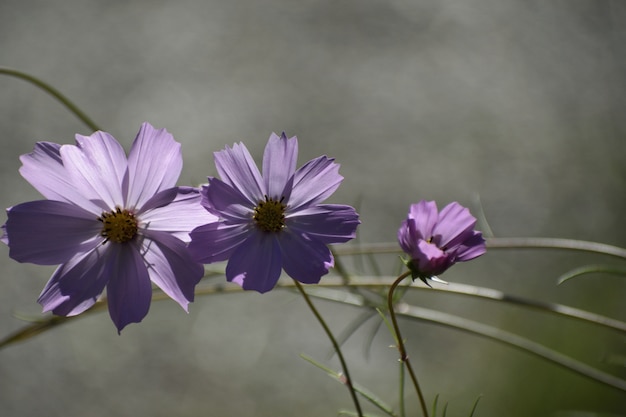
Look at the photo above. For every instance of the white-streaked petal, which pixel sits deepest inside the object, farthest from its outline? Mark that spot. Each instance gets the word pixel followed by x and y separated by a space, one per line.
pixel 237 169
pixel 154 164
pixel 279 165
pixel 96 167
pixel 180 216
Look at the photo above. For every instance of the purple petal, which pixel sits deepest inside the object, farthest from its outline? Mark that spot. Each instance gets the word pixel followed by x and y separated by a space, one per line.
pixel 314 182
pixel 237 169
pixel 177 217
pixel 50 232
pixel 43 169
pixel 256 263
pixel 76 285
pixel 279 165
pixel 129 291
pixel 455 225
pixel 328 223
pixel 96 167
pixel 305 259
pixel 406 239
pixel 227 202
pixel 423 217
pixel 215 242
pixel 431 260
pixel 471 248
pixel 154 164
pixel 170 266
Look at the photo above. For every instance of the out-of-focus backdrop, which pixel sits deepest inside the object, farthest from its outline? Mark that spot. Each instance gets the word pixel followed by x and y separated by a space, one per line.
pixel 520 102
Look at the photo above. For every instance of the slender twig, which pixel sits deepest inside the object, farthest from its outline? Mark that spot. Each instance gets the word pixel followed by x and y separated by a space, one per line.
pixel 400 343
pixel 502 243
pixel 54 93
pixel 332 339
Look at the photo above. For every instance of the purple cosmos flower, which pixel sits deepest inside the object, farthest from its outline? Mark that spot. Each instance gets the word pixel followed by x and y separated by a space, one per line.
pixel 108 222
pixel 272 221
pixel 435 241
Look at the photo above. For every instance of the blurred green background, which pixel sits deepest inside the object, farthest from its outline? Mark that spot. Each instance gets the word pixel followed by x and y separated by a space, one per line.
pixel 521 102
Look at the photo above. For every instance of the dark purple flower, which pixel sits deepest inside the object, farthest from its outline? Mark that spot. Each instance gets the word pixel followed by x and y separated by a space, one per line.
pixel 108 222
pixel 435 241
pixel 272 221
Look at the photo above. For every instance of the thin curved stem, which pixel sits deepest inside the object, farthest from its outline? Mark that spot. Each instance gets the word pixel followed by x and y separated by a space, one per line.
pixel 503 243
pixel 400 343
pixel 54 93
pixel 344 366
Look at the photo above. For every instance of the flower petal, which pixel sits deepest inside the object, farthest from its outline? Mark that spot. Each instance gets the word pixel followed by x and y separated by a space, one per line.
pixel 431 260
pixel 154 164
pixel 305 259
pixel 471 248
pixel 96 167
pixel 129 291
pixel 454 226
pixel 178 216
pixel 216 241
pixel 48 232
pixel 314 182
pixel 422 219
pixel 256 263
pixel 279 165
pixel 170 266
pixel 328 223
pixel 237 169
pixel 227 202
pixel 44 170
pixel 76 285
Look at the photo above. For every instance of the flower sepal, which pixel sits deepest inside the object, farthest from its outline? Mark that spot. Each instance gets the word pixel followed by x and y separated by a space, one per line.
pixel 416 274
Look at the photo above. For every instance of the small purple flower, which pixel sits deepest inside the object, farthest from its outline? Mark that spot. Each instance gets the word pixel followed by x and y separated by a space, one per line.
pixel 272 221
pixel 108 221
pixel 435 241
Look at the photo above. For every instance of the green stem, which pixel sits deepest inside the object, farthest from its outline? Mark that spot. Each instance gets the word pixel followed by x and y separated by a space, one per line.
pixel 404 358
pixel 503 243
pixel 332 339
pixel 54 93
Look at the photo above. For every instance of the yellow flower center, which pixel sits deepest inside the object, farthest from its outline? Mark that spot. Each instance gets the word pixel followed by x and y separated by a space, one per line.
pixel 118 226
pixel 270 215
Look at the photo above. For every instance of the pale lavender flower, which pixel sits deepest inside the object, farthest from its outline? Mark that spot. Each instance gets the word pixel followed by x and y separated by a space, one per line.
pixel 435 240
pixel 108 221
pixel 273 221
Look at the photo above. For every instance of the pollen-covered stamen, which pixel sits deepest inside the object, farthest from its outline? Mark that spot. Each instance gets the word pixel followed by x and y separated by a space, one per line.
pixel 270 215
pixel 118 226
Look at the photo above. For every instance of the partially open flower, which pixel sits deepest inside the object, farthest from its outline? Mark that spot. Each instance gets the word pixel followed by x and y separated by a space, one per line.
pixel 108 221
pixel 436 240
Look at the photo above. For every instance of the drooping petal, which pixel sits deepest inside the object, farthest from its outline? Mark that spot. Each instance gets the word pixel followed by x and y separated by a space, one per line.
pixel 227 202
pixel 279 165
pixel 170 266
pixel 256 263
pixel 329 223
pixel 129 291
pixel 154 164
pixel 96 167
pixel 454 225
pixel 314 182
pixel 48 232
pixel 471 248
pixel 424 216
pixel 179 215
pixel 76 285
pixel 237 169
pixel 215 242
pixel 304 259
pixel 406 239
pixel 431 260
